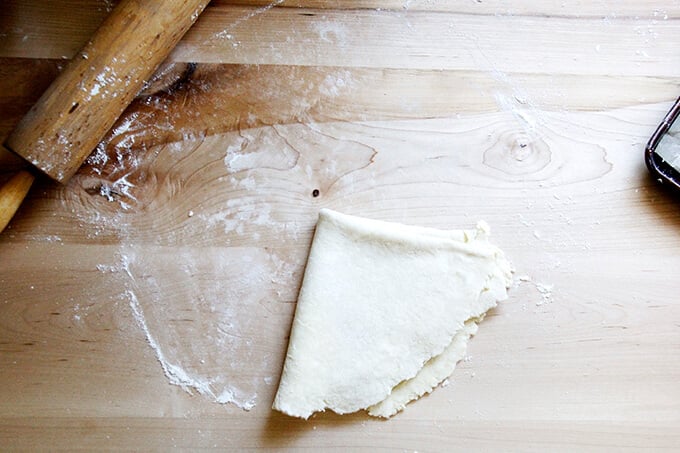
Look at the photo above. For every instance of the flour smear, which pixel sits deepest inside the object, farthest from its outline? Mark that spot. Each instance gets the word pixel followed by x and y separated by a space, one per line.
pixel 199 312
pixel 179 376
pixel 200 307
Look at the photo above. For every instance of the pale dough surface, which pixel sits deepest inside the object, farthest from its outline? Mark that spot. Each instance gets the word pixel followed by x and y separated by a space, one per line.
pixel 384 313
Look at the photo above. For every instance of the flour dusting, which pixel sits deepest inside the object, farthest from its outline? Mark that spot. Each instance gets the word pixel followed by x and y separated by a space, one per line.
pixel 544 289
pixel 175 374
pixel 546 292
pixel 336 83
pixel 332 32
pixel 203 338
pixel 199 307
pixel 227 32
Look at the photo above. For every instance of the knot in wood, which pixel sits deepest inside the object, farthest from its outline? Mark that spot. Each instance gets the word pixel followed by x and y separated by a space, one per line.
pixel 517 153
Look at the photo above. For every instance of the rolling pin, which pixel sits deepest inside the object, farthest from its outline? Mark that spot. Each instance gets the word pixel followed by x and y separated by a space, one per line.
pixel 84 101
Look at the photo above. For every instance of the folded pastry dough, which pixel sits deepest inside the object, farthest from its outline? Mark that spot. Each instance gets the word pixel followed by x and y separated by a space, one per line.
pixel 384 313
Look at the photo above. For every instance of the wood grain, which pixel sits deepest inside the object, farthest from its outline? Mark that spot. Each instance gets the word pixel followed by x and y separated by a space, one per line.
pixel 543 42
pixel 198 208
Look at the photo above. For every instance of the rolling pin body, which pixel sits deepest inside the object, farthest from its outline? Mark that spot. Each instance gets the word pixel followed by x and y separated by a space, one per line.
pixel 82 104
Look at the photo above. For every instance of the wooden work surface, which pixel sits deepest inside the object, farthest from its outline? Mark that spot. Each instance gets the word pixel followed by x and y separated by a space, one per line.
pixel 176 253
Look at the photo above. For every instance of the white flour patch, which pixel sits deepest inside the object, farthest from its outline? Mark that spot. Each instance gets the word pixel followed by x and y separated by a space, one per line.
pixel 226 33
pixel 333 32
pixel 118 191
pixel 46 238
pixel 546 292
pixel 336 83
pixel 544 289
pixel 203 337
pixel 178 375
pixel 175 374
pixel 235 218
pixel 241 215
pixel 199 308
pixel 231 395
pixel 528 117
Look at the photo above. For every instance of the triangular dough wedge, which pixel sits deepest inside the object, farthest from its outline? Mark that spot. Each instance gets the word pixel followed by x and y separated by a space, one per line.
pixel 384 313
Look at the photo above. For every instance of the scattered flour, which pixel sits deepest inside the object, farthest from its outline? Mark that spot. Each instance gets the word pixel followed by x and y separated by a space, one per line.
pixel 219 348
pixel 546 292
pixel 178 375
pixel 227 32
pixel 334 84
pixel 198 308
pixel 175 374
pixel 332 31
pixel 121 186
pixel 46 238
pixel 544 289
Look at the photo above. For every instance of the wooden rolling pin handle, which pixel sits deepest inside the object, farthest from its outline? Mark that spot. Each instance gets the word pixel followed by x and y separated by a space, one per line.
pixel 12 193
pixel 85 100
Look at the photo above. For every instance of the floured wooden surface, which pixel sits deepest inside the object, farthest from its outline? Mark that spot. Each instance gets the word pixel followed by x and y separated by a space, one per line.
pixel 177 252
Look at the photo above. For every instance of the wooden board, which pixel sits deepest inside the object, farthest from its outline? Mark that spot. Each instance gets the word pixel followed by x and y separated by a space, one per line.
pixel 176 253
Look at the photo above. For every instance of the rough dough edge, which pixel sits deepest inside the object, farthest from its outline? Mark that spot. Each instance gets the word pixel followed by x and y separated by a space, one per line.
pixel 431 375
